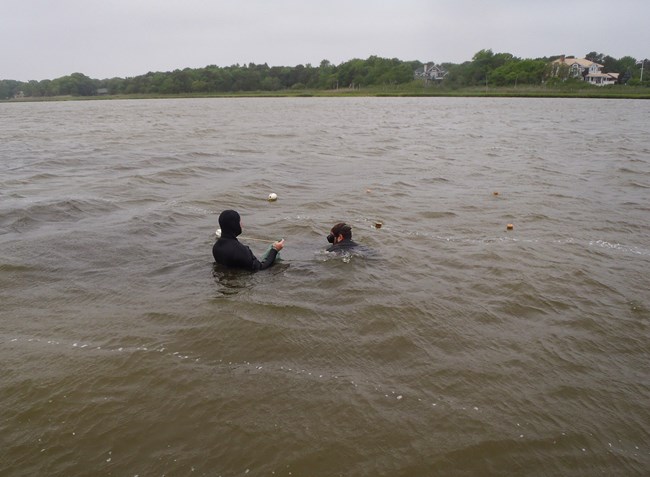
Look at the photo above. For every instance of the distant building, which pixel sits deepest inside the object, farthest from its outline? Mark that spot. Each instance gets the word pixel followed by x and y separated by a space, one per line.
pixel 102 90
pixel 601 79
pixel 430 72
pixel 582 68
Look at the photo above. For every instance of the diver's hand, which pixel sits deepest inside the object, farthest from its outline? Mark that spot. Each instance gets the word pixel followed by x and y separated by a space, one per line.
pixel 278 245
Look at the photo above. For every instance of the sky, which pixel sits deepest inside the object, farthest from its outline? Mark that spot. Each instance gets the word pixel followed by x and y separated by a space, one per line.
pixel 46 39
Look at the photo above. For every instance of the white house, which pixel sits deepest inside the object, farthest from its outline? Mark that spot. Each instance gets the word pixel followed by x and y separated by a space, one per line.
pixel 601 79
pixel 585 69
pixel 430 72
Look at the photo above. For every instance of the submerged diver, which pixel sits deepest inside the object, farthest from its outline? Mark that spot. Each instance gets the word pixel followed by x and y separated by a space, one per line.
pixel 230 252
pixel 341 238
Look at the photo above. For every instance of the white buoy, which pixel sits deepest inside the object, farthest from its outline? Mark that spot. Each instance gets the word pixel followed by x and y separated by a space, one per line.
pixel 273 197
pixel 218 233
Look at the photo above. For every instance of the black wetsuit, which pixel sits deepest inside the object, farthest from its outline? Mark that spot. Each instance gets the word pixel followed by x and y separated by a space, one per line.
pixel 230 252
pixel 343 246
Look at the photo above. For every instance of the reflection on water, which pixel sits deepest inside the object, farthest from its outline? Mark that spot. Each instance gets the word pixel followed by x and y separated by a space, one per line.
pixel 445 345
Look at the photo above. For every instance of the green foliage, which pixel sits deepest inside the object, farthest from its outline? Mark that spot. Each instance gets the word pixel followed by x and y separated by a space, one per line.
pixel 486 70
pixel 516 72
pixel 595 57
pixel 9 88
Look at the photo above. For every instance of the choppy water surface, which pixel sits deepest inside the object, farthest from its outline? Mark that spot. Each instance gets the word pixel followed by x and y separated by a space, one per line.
pixel 455 348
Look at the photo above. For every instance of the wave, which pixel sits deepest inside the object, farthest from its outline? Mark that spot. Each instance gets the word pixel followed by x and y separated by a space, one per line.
pixel 12 267
pixel 71 210
pixel 430 214
pixel 638 185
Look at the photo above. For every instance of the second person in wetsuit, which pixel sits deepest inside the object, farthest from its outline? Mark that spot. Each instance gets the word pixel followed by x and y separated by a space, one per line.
pixel 341 238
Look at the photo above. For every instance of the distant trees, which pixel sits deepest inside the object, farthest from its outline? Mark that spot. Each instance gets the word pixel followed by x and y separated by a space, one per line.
pixel 375 71
pixel 519 72
pixel 503 69
pixel 595 57
pixel 500 69
pixel 485 68
pixel 9 88
pixel 610 64
pixel 76 84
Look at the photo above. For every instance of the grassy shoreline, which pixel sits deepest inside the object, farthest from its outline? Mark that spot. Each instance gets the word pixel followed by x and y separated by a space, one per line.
pixel 616 92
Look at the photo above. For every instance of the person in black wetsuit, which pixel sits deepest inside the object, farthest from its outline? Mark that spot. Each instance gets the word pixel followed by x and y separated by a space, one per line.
pixel 230 252
pixel 341 238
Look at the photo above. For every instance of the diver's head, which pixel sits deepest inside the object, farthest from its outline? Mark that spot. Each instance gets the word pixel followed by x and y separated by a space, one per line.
pixel 340 232
pixel 230 223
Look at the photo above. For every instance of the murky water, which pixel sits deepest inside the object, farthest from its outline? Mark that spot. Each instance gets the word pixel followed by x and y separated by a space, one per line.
pixel 456 347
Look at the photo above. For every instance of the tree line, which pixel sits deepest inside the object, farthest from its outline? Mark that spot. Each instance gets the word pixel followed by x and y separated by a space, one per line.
pixel 503 69
pixel 486 67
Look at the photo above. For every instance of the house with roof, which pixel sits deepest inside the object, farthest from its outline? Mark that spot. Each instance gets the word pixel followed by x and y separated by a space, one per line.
pixel 589 71
pixel 601 79
pixel 430 72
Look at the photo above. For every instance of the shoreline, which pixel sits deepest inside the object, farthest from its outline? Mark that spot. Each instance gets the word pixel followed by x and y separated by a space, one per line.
pixel 496 92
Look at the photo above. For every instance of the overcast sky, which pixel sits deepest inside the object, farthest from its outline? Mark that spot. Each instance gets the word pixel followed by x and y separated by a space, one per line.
pixel 46 39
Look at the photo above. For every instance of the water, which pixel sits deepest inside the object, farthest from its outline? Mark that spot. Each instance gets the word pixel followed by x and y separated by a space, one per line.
pixel 456 348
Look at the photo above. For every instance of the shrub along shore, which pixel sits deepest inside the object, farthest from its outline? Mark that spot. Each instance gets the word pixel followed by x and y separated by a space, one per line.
pixel 487 74
pixel 606 92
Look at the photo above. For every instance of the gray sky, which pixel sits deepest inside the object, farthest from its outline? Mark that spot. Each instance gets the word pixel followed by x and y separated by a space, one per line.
pixel 46 39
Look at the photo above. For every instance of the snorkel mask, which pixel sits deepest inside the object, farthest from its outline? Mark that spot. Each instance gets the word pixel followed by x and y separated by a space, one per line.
pixel 339 229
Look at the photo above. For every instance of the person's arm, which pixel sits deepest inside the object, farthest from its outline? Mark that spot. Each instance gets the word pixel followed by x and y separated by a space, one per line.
pixel 269 259
pixel 267 262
